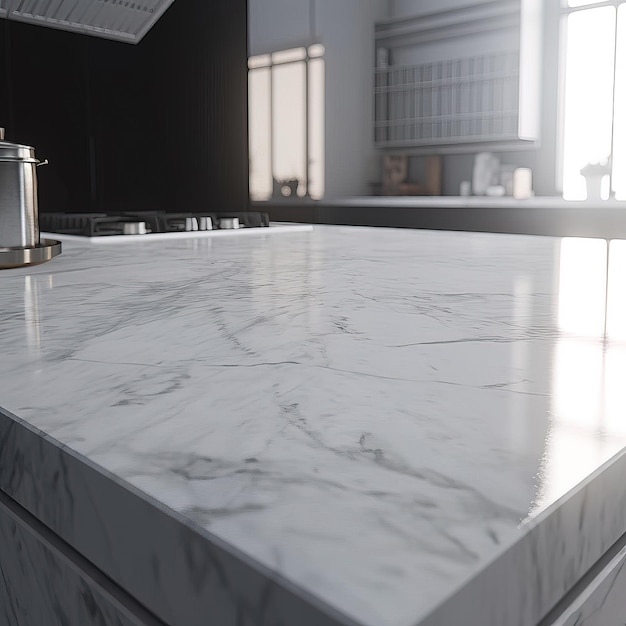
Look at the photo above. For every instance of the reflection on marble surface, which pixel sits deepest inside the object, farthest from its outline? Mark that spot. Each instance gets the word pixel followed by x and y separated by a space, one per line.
pixel 371 413
pixel 616 297
pixel 582 286
pixel 589 361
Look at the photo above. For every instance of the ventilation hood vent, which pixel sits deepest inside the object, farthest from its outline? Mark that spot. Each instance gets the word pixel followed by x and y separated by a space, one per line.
pixel 124 20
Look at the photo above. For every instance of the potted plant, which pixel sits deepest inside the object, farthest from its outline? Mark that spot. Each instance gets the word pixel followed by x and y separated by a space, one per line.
pixel 594 174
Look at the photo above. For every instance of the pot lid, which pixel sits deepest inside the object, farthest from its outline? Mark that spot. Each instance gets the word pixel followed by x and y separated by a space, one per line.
pixel 15 151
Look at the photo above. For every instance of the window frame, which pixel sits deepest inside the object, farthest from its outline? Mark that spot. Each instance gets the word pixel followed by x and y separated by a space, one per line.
pixel 564 12
pixel 311 52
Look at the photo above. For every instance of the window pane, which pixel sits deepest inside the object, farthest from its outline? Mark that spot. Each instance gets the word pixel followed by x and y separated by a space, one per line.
pixel 259 134
pixel 619 132
pixel 316 128
pixel 289 124
pixel 588 94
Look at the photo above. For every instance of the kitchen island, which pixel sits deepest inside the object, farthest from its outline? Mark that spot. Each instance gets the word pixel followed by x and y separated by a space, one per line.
pixel 366 427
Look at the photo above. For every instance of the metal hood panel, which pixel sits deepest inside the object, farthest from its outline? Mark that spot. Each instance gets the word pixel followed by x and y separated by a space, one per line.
pixel 124 20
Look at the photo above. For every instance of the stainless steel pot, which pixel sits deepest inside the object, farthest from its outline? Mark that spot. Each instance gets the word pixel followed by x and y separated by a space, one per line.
pixel 19 217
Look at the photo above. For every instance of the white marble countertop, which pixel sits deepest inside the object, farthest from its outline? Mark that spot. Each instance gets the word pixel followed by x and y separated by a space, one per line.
pixel 381 416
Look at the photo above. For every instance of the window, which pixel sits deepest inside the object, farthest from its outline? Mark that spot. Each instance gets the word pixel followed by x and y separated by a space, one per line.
pixel 594 105
pixel 286 123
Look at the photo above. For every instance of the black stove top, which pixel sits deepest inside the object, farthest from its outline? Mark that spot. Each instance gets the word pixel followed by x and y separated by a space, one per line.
pixel 147 222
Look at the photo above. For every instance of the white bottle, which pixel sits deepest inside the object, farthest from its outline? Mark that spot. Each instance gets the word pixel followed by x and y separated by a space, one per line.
pixel 486 172
pixel 522 183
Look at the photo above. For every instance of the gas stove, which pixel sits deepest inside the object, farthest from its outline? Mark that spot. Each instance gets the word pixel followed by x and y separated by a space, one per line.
pixel 130 227
pixel 147 223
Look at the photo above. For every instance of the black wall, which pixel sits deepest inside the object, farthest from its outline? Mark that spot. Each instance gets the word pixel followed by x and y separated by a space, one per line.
pixel 157 125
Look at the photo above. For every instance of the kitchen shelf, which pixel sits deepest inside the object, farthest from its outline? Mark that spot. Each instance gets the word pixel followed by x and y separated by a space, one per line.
pixel 459 78
pixel 470 99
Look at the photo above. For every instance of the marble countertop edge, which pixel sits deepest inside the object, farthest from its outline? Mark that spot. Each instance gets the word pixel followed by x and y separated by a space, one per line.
pixel 574 529
pixel 139 516
pixel 569 536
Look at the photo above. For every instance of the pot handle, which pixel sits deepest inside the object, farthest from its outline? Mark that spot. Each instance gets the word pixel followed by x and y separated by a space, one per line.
pixel 44 162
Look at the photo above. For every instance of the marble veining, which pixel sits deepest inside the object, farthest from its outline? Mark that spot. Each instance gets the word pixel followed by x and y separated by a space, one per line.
pixel 374 414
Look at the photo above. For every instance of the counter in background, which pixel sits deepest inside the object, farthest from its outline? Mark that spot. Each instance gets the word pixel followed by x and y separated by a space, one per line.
pixel 536 216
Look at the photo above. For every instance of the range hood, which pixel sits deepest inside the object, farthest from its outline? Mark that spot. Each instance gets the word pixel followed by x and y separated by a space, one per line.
pixel 123 20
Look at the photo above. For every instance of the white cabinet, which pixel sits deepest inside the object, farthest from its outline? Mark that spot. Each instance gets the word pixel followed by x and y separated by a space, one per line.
pixel 458 77
pixel 602 602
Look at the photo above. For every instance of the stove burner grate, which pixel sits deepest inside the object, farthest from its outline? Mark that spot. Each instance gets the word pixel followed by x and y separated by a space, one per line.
pixel 146 222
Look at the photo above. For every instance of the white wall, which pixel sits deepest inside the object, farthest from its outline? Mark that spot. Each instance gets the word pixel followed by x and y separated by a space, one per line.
pixel 412 8
pixel 279 25
pixel 457 48
pixel 346 29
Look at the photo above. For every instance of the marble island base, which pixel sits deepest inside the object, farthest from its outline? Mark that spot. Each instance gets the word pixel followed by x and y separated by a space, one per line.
pixel 344 426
